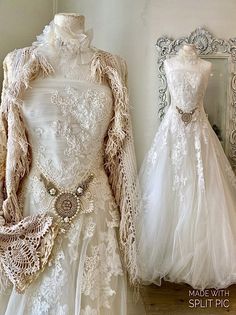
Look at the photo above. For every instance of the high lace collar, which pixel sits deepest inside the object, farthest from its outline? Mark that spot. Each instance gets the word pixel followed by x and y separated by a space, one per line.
pixel 63 38
pixel 188 56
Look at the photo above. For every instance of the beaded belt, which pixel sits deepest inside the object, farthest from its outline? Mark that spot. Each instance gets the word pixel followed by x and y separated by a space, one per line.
pixel 67 204
pixel 186 116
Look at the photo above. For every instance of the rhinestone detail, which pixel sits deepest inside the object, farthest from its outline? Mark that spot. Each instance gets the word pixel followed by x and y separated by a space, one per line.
pixel 52 191
pixel 80 191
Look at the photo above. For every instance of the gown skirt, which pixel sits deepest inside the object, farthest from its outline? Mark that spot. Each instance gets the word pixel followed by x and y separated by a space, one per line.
pixel 188 223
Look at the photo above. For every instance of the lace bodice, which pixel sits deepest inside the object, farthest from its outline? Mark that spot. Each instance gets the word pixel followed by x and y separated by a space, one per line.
pixel 187 81
pixel 66 122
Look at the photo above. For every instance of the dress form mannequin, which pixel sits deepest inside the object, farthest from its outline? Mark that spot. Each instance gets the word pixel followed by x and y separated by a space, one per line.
pixel 188 52
pixel 189 48
pixel 75 22
pixel 69 35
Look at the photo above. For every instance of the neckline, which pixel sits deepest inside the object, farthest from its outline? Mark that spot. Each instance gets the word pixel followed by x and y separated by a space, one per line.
pixel 65 38
pixel 57 40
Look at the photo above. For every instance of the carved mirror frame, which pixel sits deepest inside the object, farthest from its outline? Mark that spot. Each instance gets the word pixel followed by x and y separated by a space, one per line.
pixel 207 46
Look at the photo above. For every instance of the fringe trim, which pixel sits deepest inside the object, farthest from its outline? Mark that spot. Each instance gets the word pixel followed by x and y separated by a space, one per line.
pixel 26 64
pixel 3 150
pixel 120 161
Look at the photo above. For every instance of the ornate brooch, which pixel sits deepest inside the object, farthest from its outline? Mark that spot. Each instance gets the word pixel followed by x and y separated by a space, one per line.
pixel 67 204
pixel 186 116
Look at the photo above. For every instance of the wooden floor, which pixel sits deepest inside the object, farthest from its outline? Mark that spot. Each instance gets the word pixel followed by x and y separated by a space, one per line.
pixel 174 299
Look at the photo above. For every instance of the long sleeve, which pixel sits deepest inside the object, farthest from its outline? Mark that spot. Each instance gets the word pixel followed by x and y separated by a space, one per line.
pixel 14 145
pixel 20 67
pixel 121 167
pixel 31 239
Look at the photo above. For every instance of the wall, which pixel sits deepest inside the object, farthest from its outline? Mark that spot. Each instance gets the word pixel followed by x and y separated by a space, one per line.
pixel 21 21
pixel 131 27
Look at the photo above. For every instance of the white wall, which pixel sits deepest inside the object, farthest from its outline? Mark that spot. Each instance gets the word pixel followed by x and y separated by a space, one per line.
pixel 20 22
pixel 131 27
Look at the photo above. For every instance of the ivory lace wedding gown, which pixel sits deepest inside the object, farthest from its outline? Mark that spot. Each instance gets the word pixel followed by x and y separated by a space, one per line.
pixel 67 116
pixel 187 230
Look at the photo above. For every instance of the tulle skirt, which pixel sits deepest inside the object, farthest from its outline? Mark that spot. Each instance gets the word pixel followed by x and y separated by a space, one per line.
pixel 187 226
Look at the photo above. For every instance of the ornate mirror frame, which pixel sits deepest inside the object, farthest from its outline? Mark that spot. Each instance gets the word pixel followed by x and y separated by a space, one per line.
pixel 208 47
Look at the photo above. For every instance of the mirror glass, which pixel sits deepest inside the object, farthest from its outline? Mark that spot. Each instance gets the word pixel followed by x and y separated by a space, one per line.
pixel 216 98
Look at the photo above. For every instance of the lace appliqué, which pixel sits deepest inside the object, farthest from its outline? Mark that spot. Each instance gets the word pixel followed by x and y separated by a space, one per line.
pixel 90 228
pixel 103 264
pixel 84 118
pixel 102 261
pixel 187 82
pixel 46 298
pixel 178 140
pixel 178 151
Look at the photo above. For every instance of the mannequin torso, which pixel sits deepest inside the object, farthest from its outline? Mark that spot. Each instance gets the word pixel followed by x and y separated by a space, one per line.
pixel 66 38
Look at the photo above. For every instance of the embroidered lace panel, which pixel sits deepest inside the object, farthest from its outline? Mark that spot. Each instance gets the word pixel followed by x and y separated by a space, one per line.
pixel 73 143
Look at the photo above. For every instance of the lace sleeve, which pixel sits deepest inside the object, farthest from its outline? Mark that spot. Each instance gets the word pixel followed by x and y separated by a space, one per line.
pixel 122 172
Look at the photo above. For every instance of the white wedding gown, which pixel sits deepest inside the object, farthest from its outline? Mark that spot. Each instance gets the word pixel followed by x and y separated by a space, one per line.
pixel 187 227
pixel 67 117
pixel 66 121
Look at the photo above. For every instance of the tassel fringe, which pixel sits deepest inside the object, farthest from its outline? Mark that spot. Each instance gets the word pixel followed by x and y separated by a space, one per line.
pixel 27 65
pixel 120 162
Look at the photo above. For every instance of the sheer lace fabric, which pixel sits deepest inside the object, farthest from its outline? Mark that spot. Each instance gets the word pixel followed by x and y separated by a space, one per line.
pixel 188 223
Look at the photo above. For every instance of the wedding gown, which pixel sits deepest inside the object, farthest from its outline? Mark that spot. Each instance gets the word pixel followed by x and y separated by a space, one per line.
pixel 67 116
pixel 187 227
